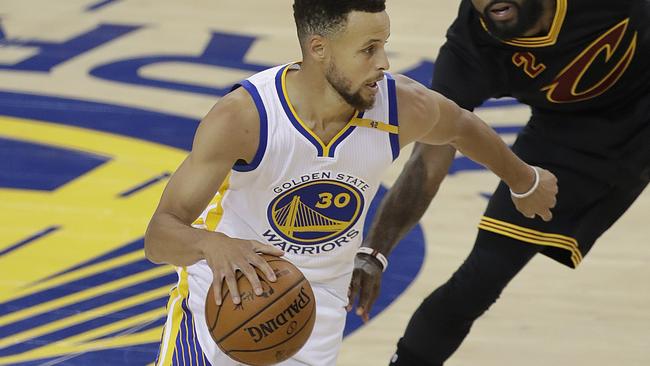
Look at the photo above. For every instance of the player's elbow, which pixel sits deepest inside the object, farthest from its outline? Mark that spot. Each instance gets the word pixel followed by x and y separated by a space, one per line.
pixel 151 247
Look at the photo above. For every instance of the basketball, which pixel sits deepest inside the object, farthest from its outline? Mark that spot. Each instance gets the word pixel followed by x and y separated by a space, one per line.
pixel 265 329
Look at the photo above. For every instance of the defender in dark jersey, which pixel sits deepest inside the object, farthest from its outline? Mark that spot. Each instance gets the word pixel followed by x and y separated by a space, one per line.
pixel 583 66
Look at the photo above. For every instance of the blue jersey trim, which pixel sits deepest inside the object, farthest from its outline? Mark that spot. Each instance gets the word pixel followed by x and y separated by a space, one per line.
pixel 292 118
pixel 264 129
pixel 341 138
pixel 392 114
pixel 323 149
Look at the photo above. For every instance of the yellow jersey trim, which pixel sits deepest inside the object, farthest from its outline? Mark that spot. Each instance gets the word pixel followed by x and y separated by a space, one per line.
pixel 168 350
pixel 325 147
pixel 383 126
pixel 174 306
pixel 540 41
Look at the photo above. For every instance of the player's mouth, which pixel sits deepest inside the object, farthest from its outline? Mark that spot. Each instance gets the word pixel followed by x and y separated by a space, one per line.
pixel 373 85
pixel 502 12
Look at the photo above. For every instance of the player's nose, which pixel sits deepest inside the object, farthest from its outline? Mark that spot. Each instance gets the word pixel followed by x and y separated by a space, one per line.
pixel 382 61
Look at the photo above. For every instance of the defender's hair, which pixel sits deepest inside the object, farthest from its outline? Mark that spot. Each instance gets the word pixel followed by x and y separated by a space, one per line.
pixel 325 17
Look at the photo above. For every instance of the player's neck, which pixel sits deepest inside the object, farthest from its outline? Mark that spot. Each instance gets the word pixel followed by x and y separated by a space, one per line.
pixel 315 100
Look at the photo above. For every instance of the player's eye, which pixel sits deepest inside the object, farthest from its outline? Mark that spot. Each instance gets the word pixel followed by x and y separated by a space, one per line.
pixel 370 50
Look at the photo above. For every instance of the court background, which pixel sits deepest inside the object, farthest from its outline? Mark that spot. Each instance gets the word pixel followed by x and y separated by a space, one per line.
pixel 154 59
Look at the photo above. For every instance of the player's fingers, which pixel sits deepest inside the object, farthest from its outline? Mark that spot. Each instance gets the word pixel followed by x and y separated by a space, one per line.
pixel 352 291
pixel 231 281
pixel 372 296
pixel 369 291
pixel 267 249
pixel 264 266
pixel 546 215
pixel 365 316
pixel 252 277
pixel 217 283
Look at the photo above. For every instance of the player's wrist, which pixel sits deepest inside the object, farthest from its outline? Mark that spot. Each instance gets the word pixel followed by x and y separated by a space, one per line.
pixel 532 188
pixel 376 255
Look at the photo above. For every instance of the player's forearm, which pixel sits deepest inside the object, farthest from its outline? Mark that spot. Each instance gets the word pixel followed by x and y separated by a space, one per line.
pixel 169 240
pixel 479 142
pixel 410 196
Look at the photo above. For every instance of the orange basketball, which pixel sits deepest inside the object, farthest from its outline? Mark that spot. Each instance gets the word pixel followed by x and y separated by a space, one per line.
pixel 265 329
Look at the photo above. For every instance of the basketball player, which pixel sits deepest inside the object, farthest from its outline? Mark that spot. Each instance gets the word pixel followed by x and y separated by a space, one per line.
pixel 582 66
pixel 298 151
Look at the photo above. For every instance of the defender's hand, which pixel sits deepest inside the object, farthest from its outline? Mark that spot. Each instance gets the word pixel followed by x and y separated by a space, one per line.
pixel 226 256
pixel 542 199
pixel 366 282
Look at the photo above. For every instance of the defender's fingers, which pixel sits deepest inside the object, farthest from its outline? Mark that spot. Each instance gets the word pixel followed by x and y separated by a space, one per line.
pixel 365 290
pixel 354 288
pixel 372 297
pixel 363 314
pixel 546 215
pixel 231 281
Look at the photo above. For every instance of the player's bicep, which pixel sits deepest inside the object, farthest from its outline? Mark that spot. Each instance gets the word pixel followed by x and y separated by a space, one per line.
pixel 225 135
pixel 192 187
pixel 425 116
pixel 445 117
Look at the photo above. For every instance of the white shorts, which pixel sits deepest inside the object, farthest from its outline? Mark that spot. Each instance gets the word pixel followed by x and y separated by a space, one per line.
pixel 187 341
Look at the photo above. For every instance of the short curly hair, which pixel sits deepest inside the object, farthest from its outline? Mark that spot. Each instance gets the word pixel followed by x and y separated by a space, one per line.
pixel 326 17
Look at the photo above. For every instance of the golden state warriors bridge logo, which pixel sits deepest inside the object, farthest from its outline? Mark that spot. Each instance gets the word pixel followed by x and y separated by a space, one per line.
pixel 316 215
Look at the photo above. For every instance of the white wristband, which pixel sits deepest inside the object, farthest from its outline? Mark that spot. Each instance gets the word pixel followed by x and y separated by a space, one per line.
pixel 531 190
pixel 375 253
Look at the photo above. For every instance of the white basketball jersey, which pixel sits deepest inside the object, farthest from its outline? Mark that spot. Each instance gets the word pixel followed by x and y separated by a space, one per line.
pixel 307 198
pixel 301 195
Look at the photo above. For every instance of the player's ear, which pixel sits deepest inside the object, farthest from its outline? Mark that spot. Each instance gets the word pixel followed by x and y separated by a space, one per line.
pixel 317 47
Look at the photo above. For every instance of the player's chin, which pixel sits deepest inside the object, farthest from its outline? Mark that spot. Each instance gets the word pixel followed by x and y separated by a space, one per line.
pixel 368 101
pixel 369 92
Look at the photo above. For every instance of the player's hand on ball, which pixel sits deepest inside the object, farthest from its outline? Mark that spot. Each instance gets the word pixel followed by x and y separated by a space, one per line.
pixel 226 256
pixel 541 199
pixel 366 282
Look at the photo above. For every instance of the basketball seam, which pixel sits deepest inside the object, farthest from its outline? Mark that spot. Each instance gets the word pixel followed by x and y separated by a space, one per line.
pixel 260 311
pixel 216 317
pixel 242 274
pixel 284 341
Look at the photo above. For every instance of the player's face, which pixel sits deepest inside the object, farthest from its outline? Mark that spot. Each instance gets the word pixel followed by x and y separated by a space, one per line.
pixel 358 58
pixel 507 19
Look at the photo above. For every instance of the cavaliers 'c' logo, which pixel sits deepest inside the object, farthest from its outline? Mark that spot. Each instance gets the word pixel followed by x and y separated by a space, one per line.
pixel 564 88
pixel 315 212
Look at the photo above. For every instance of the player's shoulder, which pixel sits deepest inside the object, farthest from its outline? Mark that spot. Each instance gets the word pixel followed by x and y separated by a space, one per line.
pixel 417 108
pixel 412 95
pixel 236 110
pixel 230 128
